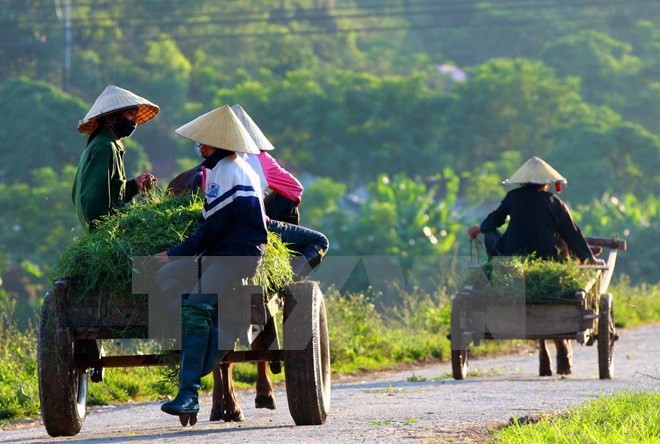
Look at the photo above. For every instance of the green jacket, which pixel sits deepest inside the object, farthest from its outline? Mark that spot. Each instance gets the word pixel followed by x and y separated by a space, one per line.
pixel 100 185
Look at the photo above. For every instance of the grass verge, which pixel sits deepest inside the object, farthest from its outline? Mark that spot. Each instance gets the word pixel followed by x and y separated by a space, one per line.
pixel 624 418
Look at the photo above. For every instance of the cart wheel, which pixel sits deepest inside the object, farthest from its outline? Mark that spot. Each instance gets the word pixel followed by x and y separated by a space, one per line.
pixel 307 354
pixel 606 335
pixel 459 352
pixel 62 388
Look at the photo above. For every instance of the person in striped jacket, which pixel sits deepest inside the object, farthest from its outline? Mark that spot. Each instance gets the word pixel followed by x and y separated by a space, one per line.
pixel 230 239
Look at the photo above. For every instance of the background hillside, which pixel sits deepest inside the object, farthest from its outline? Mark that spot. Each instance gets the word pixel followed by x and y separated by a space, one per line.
pixel 402 117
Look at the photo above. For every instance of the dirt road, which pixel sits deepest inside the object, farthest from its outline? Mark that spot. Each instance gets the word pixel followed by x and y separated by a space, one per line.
pixel 412 405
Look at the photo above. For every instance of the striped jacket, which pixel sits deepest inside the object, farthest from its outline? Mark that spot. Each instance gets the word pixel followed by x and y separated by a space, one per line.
pixel 233 219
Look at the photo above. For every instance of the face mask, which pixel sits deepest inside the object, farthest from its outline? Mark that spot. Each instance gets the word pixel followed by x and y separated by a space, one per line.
pixel 123 127
pixel 198 150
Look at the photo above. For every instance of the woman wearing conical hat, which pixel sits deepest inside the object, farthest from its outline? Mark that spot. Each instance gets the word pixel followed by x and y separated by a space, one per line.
pixel 100 185
pixel 536 217
pixel 282 204
pixel 231 239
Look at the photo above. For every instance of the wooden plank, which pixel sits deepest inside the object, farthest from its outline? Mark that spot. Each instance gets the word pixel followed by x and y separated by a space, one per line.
pixel 614 243
pixel 531 321
pixel 607 274
pixel 107 311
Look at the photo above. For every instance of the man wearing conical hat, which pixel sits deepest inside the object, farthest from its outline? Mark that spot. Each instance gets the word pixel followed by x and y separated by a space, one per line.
pixel 536 218
pixel 100 185
pixel 231 239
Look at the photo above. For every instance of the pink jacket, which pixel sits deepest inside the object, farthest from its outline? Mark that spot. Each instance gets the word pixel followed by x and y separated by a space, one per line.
pixel 275 177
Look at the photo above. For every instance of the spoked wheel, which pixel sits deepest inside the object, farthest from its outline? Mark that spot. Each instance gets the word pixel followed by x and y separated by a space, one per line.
pixel 62 388
pixel 606 337
pixel 459 352
pixel 307 354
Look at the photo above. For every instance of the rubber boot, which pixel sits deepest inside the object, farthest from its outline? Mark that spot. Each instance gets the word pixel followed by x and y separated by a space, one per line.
pixel 564 356
pixel 304 263
pixel 545 364
pixel 213 355
pixel 196 320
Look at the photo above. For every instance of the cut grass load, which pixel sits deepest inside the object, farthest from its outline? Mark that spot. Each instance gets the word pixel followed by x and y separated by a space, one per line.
pixel 539 280
pixel 101 262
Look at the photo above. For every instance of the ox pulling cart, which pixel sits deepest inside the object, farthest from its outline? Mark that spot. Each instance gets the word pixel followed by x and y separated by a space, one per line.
pixel 585 314
pixel 70 355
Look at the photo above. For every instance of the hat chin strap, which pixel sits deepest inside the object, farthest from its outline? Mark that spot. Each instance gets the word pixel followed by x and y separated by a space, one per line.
pixel 558 187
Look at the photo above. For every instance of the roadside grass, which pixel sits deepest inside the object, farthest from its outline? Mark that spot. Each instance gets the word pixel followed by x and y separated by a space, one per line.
pixel 362 338
pixel 635 305
pixel 624 418
pixel 19 390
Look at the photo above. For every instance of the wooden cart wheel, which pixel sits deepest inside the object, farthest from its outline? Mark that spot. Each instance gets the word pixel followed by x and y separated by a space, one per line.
pixel 606 334
pixel 459 352
pixel 62 388
pixel 307 354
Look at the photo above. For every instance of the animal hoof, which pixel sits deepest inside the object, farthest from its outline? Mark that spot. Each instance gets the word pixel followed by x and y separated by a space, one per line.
pixel 265 402
pixel 186 419
pixel 545 372
pixel 233 416
pixel 216 415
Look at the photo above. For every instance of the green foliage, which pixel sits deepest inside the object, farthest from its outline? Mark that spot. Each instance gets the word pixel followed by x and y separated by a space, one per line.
pixel 41 127
pixel 37 219
pixel 507 105
pixel 635 304
pixel 599 154
pixel 632 218
pixel 604 64
pixel 19 391
pixel 390 121
pixel 539 280
pixel 623 418
pixel 102 260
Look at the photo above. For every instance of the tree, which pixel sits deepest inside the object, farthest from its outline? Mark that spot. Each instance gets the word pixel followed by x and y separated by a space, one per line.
pixel 38 220
pixel 607 67
pixel 632 218
pixel 506 105
pixel 40 127
pixel 602 154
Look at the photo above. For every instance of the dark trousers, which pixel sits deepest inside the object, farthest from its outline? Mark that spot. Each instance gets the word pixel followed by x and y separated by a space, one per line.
pixel 300 239
pixel 279 207
pixel 492 241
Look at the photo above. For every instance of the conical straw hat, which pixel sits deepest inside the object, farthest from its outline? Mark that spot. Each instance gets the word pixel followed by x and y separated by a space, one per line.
pixel 536 170
pixel 114 99
pixel 262 142
pixel 219 128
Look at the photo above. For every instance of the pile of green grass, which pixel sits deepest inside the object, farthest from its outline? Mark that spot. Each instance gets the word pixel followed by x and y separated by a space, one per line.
pixel 100 262
pixel 540 280
pixel 624 418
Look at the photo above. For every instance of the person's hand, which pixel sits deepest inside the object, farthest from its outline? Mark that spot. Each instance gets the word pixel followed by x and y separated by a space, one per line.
pixel 596 261
pixel 162 257
pixel 145 181
pixel 474 231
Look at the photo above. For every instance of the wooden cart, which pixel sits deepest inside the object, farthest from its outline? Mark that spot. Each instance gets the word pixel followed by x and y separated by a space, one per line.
pixel 587 317
pixel 71 329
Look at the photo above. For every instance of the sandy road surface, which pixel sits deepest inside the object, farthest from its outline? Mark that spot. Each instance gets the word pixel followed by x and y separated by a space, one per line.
pixel 389 407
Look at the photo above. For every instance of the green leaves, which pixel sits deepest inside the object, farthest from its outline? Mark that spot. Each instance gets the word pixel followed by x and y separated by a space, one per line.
pixel 101 261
